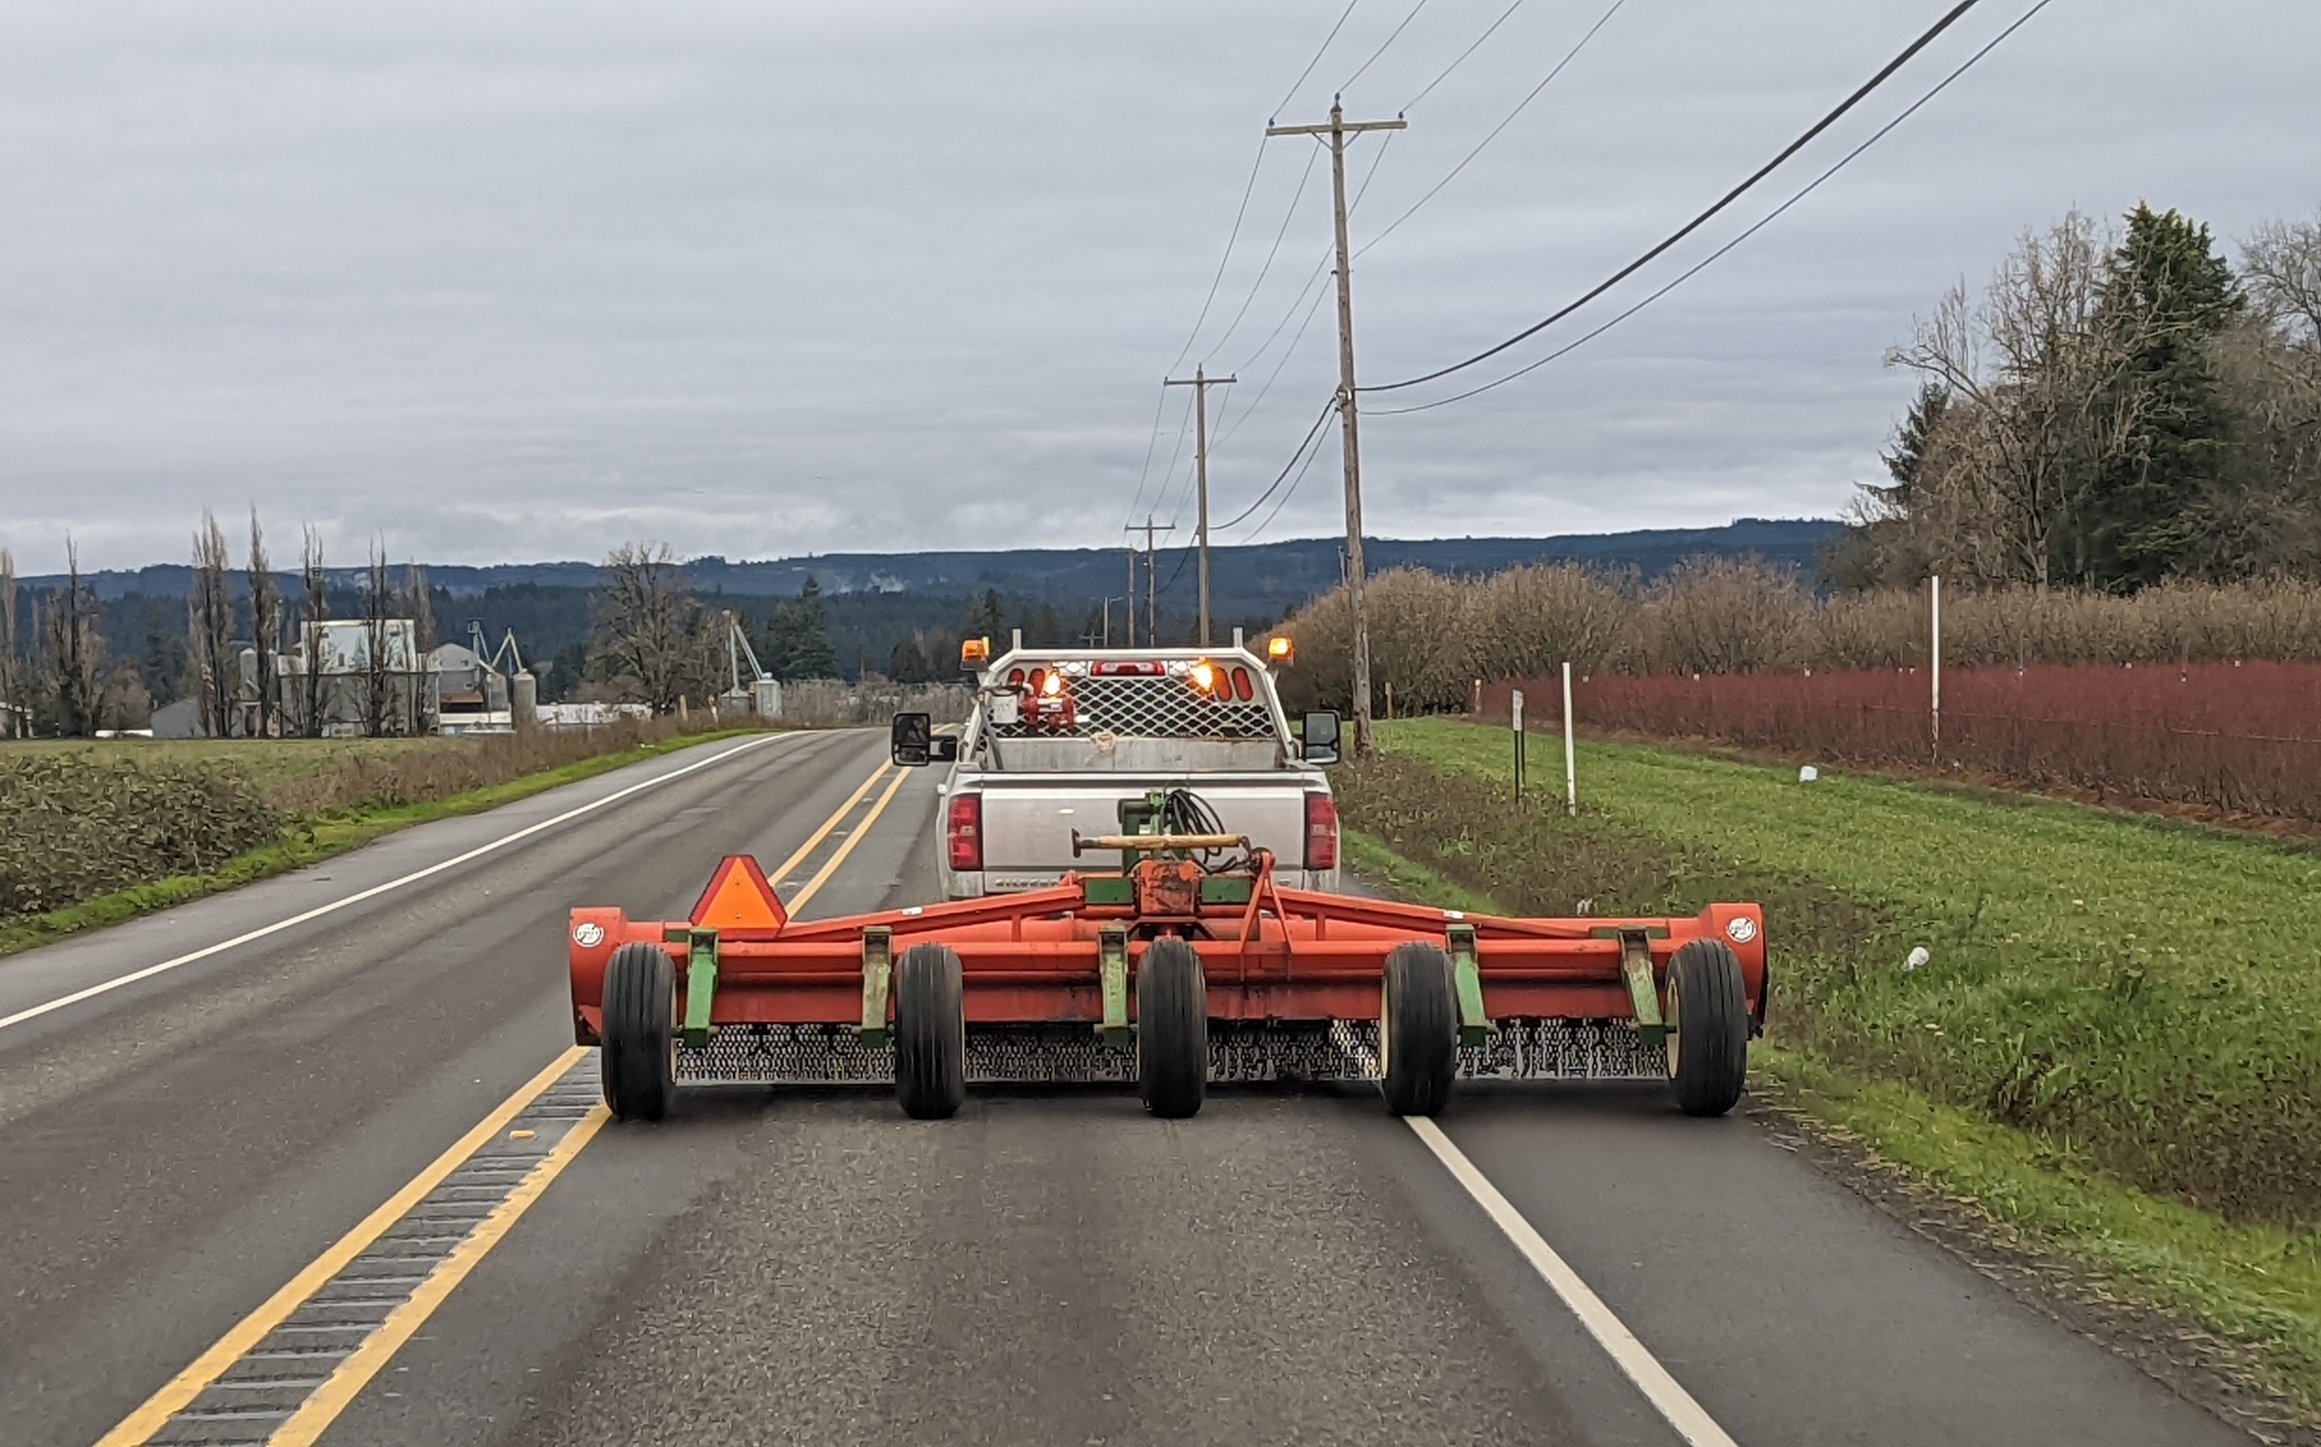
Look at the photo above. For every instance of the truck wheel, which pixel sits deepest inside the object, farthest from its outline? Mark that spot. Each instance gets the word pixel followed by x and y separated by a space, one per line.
pixel 1708 1027
pixel 1418 1030
pixel 1172 1029
pixel 639 1056
pixel 930 1033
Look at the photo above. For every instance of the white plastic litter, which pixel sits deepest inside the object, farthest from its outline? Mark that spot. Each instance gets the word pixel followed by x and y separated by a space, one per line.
pixel 1808 774
pixel 1918 957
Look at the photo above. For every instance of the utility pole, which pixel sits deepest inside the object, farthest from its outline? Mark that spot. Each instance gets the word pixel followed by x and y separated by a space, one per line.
pixel 1131 599
pixel 1337 130
pixel 1201 382
pixel 1151 583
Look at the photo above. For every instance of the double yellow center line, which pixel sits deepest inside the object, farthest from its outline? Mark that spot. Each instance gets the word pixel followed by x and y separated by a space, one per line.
pixel 337 1392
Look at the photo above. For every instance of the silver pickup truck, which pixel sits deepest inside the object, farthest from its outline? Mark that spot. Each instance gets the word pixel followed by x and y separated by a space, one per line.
pixel 1061 738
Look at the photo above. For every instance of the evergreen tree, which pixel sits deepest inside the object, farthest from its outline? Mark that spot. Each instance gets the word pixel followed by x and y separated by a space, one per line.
pixel 1913 440
pixel 985 620
pixel 798 637
pixel 908 664
pixel 2168 298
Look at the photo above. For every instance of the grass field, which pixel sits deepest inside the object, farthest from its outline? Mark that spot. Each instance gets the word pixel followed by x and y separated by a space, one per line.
pixel 2114 1047
pixel 95 833
pixel 266 763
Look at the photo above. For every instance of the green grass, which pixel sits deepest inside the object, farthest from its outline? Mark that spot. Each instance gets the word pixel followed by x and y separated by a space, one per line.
pixel 316 837
pixel 2115 1048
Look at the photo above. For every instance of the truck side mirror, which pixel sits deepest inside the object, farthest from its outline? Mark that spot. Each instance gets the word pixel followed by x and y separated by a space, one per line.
pixel 911 740
pixel 1321 737
pixel 946 749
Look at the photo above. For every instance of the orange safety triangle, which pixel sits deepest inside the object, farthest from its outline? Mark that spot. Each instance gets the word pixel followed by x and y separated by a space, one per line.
pixel 739 897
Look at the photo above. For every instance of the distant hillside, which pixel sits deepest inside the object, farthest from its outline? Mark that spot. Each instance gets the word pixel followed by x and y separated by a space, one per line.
pixel 874 601
pixel 1267 578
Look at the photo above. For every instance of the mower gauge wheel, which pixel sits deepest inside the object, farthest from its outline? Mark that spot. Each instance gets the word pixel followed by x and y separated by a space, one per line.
pixel 639 1059
pixel 1708 1027
pixel 1172 1029
pixel 1418 1030
pixel 930 1033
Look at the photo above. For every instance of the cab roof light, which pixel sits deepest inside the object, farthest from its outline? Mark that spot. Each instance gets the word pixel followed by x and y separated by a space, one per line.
pixel 1280 649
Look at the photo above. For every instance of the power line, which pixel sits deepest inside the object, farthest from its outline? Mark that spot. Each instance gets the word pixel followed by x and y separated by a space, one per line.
pixel 1392 36
pixel 1149 444
pixel 1169 477
pixel 1222 262
pixel 1713 257
pixel 1462 56
pixel 1321 420
pixel 1287 216
pixel 1321 266
pixel 1549 80
pixel 1317 60
pixel 1254 533
pixel 1957 12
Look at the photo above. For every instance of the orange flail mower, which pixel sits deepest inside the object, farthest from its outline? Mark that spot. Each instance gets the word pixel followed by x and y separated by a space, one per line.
pixel 1169 972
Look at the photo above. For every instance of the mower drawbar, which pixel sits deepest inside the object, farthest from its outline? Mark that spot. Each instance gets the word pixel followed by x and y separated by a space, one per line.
pixel 1166 974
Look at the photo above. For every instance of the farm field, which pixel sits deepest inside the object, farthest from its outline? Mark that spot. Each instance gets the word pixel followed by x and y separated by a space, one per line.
pixel 96 831
pixel 2237 738
pixel 2113 1047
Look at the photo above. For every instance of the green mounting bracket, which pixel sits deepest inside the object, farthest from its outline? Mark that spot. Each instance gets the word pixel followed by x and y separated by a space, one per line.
pixel 1112 969
pixel 1475 1027
pixel 1643 994
pixel 700 984
pixel 878 969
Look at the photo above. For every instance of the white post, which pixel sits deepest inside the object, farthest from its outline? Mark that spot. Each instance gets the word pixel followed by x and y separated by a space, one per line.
pixel 1515 716
pixel 1571 771
pixel 1936 596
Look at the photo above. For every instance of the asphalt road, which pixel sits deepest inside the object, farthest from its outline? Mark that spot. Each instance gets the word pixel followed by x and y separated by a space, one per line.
pixel 810 1267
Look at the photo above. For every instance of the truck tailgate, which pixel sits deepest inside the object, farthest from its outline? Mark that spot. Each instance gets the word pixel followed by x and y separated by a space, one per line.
pixel 1028 821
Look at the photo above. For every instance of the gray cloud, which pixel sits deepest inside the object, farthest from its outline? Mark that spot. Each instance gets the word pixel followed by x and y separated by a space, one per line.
pixel 522 280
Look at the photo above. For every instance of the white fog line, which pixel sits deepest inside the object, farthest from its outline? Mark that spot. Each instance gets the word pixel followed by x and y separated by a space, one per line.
pixel 1667 1397
pixel 148 972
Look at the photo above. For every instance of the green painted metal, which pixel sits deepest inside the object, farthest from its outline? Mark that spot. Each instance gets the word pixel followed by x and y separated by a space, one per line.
pixel 700 983
pixel 1614 932
pixel 1227 889
pixel 1475 1027
pixel 1643 993
pixel 1112 969
pixel 1105 889
pixel 878 968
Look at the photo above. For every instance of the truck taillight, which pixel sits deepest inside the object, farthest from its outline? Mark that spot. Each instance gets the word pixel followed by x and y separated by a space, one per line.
pixel 963 832
pixel 1321 832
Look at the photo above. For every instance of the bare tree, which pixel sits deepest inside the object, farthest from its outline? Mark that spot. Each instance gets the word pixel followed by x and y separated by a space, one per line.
pixel 209 606
pixel 378 677
pixel 2039 375
pixel 313 612
pixel 73 654
pixel 423 640
pixel 265 633
pixel 2281 268
pixel 651 637
pixel 13 690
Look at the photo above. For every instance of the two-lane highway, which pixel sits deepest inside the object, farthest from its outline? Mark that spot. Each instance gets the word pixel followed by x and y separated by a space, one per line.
pixel 327 1182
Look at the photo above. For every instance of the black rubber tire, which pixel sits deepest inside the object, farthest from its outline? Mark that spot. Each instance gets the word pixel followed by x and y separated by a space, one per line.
pixel 930 1033
pixel 1708 1037
pixel 638 1060
pixel 1172 1029
pixel 1418 1030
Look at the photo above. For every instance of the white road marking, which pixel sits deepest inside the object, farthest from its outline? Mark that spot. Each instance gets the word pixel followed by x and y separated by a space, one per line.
pixel 107 986
pixel 1667 1397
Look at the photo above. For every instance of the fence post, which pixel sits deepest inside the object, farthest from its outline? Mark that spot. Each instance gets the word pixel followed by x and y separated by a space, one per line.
pixel 1935 597
pixel 1571 773
pixel 1515 714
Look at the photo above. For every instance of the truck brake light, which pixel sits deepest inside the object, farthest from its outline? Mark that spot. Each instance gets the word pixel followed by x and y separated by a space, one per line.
pixel 1321 831
pixel 963 832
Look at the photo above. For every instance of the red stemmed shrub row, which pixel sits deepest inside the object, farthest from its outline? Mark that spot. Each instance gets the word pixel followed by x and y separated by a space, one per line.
pixel 2241 737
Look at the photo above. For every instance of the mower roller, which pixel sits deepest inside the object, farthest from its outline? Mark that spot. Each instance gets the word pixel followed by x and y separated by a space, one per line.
pixel 1168 972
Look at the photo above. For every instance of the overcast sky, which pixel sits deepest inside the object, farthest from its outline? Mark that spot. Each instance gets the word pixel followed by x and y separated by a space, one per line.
pixel 518 281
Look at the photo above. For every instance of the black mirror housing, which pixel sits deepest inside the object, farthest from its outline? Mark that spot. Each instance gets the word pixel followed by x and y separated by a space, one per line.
pixel 911 740
pixel 1320 730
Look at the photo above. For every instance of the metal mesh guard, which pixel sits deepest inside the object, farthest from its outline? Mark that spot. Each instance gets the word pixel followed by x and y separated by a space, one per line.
pixel 1142 706
pixel 1238 1054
